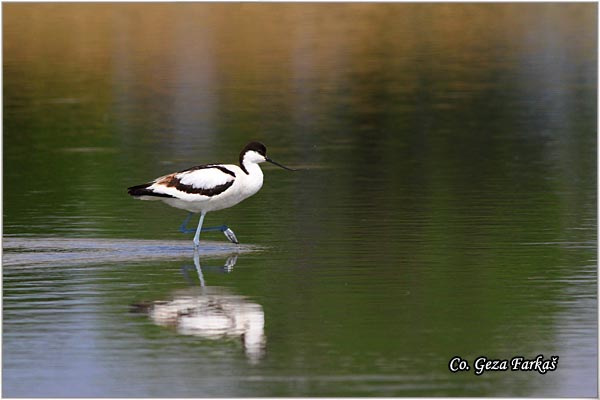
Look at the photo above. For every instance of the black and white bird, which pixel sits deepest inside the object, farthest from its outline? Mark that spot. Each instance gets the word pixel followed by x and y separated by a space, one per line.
pixel 209 187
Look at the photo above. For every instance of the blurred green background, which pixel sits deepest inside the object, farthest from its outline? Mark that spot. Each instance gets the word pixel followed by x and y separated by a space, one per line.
pixel 446 204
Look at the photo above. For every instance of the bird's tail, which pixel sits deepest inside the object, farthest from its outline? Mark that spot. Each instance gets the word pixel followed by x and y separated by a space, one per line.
pixel 142 190
pixel 139 190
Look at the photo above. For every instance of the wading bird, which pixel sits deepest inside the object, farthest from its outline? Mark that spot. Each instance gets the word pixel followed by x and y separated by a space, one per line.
pixel 209 187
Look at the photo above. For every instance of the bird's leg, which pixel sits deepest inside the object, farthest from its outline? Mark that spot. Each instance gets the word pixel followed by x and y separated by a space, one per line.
pixel 183 228
pixel 226 231
pixel 198 230
pixel 223 228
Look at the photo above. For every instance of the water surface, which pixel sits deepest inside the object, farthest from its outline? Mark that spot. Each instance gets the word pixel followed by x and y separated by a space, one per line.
pixel 446 204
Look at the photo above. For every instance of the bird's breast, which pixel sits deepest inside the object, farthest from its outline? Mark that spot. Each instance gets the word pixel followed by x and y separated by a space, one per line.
pixel 251 183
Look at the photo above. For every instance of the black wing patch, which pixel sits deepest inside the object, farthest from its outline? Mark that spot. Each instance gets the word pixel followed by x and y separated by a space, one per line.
pixel 176 183
pixel 172 180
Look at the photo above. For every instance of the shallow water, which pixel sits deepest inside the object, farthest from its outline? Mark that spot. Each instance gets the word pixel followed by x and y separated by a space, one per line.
pixel 446 204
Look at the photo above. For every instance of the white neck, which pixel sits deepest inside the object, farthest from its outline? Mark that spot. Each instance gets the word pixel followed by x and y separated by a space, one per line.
pixel 252 182
pixel 253 169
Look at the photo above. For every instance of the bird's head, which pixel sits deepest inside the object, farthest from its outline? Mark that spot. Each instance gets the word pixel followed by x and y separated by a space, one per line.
pixel 256 153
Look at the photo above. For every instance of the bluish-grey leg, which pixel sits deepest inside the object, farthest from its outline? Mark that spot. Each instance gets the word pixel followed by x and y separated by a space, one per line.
pixel 183 228
pixel 198 230
pixel 226 231
pixel 223 228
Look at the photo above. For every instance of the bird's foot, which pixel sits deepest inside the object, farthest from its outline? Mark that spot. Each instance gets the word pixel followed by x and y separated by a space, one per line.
pixel 223 228
pixel 226 231
pixel 230 235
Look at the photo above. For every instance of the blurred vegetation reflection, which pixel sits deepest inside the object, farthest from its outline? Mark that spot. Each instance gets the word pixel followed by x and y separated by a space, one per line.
pixel 447 203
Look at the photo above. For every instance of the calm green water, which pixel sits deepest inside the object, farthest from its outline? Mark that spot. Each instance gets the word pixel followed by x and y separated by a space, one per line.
pixel 446 204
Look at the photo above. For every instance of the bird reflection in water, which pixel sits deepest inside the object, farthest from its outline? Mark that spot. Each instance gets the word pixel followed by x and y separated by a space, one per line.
pixel 225 268
pixel 212 313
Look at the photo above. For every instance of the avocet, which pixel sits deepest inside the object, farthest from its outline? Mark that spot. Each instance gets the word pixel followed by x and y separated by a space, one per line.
pixel 209 187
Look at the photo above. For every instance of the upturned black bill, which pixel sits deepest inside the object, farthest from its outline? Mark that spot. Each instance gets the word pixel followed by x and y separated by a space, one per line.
pixel 279 165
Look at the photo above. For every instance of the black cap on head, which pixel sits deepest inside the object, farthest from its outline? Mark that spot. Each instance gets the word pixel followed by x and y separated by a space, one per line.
pixel 252 146
pixel 257 147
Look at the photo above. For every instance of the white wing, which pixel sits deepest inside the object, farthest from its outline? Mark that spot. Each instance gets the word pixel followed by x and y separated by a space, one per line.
pixel 205 178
